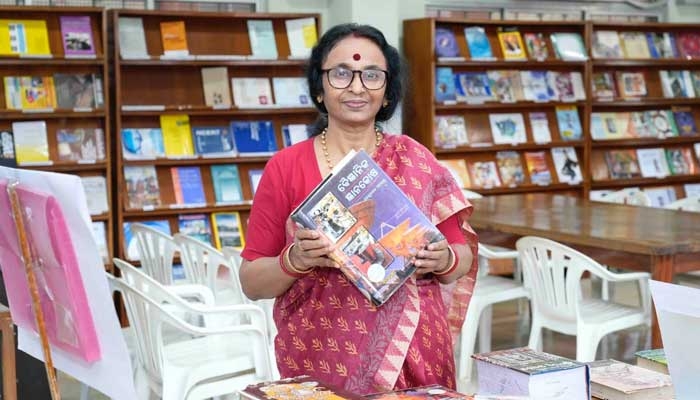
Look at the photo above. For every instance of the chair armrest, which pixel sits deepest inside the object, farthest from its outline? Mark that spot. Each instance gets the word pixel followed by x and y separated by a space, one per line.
pixel 489 253
pixel 621 277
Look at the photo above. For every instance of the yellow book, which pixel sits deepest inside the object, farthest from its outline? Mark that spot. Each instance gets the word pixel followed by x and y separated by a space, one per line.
pixel 177 136
pixel 174 38
pixel 24 37
pixel 512 45
pixel 228 231
pixel 37 92
pixel 31 143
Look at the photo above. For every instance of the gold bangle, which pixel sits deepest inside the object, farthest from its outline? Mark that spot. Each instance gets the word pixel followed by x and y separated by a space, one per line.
pixel 453 262
pixel 290 267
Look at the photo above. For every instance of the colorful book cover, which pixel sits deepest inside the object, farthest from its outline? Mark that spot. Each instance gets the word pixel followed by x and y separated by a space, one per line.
pixel 261 35
pixel 539 126
pixel 653 359
pixel 606 44
pixel 75 90
pixel 444 85
pixel 213 141
pixel 458 169
pixel 511 43
pixel 566 164
pixel 196 226
pixel 291 91
pixel 228 231
pixel 431 392
pixel 31 142
pixel 535 87
pixel 680 161
pixel 298 388
pixel 142 188
pixel 652 162
pixel 7 150
pixel 604 86
pixel 510 168
pixel 478 43
pixel 537 167
pixel 80 144
pixel 76 32
pixel 445 43
pixel 631 84
pixel 569 123
pixel 254 176
pixel 614 379
pixel 685 122
pixel 131 247
pixel 508 128
pixel 375 227
pixel 174 38
pixel 177 135
pixel 38 92
pixel 568 46
pixel 622 164
pixel 254 138
pixel 227 183
pixel 662 45
pixel 688 44
pixel 662 123
pixel 301 36
pixel 215 83
pixel 24 37
pixel 483 174
pixel 142 143
pixel 506 85
pixel 473 87
pixel 536 45
pixel 634 45
pixel 450 131
pixel 187 186
pixel 294 133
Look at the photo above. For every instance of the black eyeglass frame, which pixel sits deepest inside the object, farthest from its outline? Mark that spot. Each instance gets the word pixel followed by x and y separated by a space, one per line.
pixel 356 71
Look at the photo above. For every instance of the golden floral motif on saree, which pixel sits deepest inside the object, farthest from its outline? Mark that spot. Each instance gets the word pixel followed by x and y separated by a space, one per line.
pixel 352 303
pixel 406 161
pixel 399 180
pixel 350 348
pixel 324 366
pixel 341 369
pixel 307 324
pixel 425 168
pixel 291 364
pixel 415 355
pixel 317 345
pixel 298 344
pixel 427 343
pixel 309 365
pixel 343 324
pixel 326 323
pixel 416 184
pixel 361 327
pixel 335 302
pixel 332 345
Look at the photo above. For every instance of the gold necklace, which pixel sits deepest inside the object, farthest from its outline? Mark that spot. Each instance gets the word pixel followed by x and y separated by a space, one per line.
pixel 329 163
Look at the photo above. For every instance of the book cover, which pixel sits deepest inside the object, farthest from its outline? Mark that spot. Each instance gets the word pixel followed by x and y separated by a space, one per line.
pixel 652 162
pixel 612 379
pixel 631 84
pixel 660 196
pixel 445 43
pixel 291 91
pixel 566 164
pixel 458 170
pixel 227 183
pixel 375 227
pixel 431 392
pixel 142 188
pixel 676 84
pixel 685 122
pixel 653 359
pixel 251 92
pixel 508 128
pixel 254 176
pixel 606 44
pixel 604 126
pixel 444 85
pixel 511 43
pixel 131 247
pixel 213 141
pixel 506 85
pixel 7 150
pixel 450 131
pixel 299 388
pixel 569 123
pixel 95 193
pixel 568 46
pixel 536 45
pixel 261 35
pixel 473 87
pixel 604 86
pixel 187 186
pixel 142 143
pixel 99 233
pixel 177 135
pixel 76 33
pixel 294 133
pixel 692 189
pixel 254 138
pixel 688 44
pixel 38 92
pixel 539 126
pixel 75 91
pixel 634 45
pixel 215 85
pixel 483 174
pixel 26 36
pixel 196 226
pixel 535 87
pixel 80 144
pixel 537 167
pixel 174 38
pixel 622 164
pixel 478 42
pixel 13 92
pixel 510 168
pixel 301 35
pixel 661 45
pixel 228 231
pixel 132 38
pixel 662 123
pixel 566 86
pixel 680 161
pixel 31 142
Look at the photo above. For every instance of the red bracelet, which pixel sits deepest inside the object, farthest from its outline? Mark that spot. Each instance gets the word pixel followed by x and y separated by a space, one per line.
pixel 286 264
pixel 452 267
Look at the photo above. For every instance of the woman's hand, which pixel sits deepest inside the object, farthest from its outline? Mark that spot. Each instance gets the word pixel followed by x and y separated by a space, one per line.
pixel 311 249
pixel 435 258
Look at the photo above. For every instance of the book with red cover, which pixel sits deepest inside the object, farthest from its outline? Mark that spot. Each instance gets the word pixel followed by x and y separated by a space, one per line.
pixel 298 388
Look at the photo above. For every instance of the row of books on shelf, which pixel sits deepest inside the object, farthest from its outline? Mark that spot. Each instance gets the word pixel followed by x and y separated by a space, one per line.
pixel 661 124
pixel 645 45
pixel 143 186
pixel 507 169
pixel 27 144
pixel 452 131
pixel 300 32
pixel 221 229
pixel 659 196
pixel 78 92
pixel 632 85
pixel 507 86
pixel 566 45
pixel 645 163
pixel 29 37
pixel 176 139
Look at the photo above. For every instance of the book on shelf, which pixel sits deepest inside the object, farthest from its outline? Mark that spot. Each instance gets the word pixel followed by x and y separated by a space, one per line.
pixel 535 87
pixel 445 90
pixel 450 131
pixel 301 35
pixel 187 186
pixel 483 174
pixel 251 92
pixel 539 126
pixel 430 392
pixel 473 87
pixel 31 142
pixel 196 226
pixel 215 86
pixel 478 43
pixel 662 123
pixel 375 227
pixel 634 45
pixel 29 92
pixel 177 135
pixel 567 165
pixel 227 230
pixel 76 35
pixel 604 126
pixel 685 122
pixel 507 128
pixel 479 135
pixel 458 169
pixel 606 44
pixel 691 189
pixel 622 164
pixel 568 46
pixel 131 249
pixel 227 183
pixel 537 167
pixel 132 38
pixel 603 84
pixel 254 138
pixel 688 43
pixel 78 91
pixel 511 43
pixel 680 161
pixel 631 84
pixel 291 91
pixel 568 122
pixel 95 193
pixel 615 380
pixel 142 189
pixel 696 146
pixel 294 133
pixel 142 143
pixel 7 149
pixel 301 387
pixel 695 79
pixel 99 233
pixel 526 372
pixel 254 176
pixel 173 36
pixel 566 85
pixel 676 84
pixel 536 45
pixel 506 85
pixel 261 35
pixel 213 141
pixel 80 144
pixel 660 196
pixel 510 168
pixel 24 37
pixel 652 162
pixel 661 45
pixel 445 43
pixel 653 359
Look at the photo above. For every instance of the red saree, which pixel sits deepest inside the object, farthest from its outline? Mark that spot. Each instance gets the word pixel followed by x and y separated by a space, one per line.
pixel 326 328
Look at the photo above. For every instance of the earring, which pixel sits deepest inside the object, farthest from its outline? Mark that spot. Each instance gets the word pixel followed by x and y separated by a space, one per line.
pixel 319 99
pixel 386 103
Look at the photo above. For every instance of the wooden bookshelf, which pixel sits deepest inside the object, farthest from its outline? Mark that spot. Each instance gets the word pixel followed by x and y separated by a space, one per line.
pixel 56 118
pixel 176 86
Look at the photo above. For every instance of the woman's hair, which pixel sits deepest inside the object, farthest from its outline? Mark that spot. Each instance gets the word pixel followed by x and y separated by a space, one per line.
pixel 314 74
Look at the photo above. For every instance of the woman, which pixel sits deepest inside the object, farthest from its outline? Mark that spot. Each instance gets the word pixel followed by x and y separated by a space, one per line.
pixel 326 328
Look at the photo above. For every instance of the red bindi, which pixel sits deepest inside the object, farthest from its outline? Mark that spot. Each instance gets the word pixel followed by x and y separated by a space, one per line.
pixel 356 57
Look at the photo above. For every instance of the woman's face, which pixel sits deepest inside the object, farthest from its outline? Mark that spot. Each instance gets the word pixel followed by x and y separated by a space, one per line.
pixel 354 105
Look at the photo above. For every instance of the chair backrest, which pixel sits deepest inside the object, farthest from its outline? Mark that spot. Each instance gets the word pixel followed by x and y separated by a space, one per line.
pixel 685 204
pixel 156 252
pixel 630 196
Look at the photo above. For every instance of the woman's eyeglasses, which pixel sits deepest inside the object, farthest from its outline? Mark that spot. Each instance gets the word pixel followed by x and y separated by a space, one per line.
pixel 341 78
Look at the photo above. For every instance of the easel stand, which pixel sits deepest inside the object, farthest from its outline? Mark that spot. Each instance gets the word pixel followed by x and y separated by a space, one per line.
pixel 33 289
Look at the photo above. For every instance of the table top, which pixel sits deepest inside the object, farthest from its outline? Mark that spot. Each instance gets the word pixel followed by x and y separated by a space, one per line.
pixel 641 230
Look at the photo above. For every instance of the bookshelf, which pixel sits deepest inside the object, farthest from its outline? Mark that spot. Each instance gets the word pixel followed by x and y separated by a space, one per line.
pixel 65 55
pixel 149 87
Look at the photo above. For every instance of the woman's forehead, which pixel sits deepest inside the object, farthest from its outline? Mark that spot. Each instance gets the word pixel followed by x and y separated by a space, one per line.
pixel 356 51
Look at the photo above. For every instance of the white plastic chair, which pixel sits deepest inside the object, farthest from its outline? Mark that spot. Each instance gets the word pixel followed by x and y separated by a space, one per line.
pixel 685 204
pixel 553 272
pixel 156 252
pixel 214 361
pixel 630 196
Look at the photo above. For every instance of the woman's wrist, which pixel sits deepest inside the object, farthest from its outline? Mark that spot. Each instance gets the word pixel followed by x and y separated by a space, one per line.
pixel 452 263
pixel 288 267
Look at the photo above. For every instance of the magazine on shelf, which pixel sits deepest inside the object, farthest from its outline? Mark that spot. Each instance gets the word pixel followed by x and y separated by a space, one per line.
pixel 261 35
pixel 375 227
pixel 567 165
pixel 76 34
pixel 445 43
pixel 536 45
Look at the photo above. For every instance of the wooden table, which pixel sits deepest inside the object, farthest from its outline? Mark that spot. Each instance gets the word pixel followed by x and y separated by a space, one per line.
pixel 9 379
pixel 662 242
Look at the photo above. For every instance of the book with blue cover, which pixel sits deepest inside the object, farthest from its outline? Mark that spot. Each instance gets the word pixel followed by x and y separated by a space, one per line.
pixel 375 227
pixel 685 121
pixel 294 133
pixel 254 176
pixel 142 143
pixel 445 43
pixel 569 123
pixel 187 185
pixel 478 43
pixel 213 141
pixel 196 226
pixel 254 138
pixel 227 183
pixel 444 85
